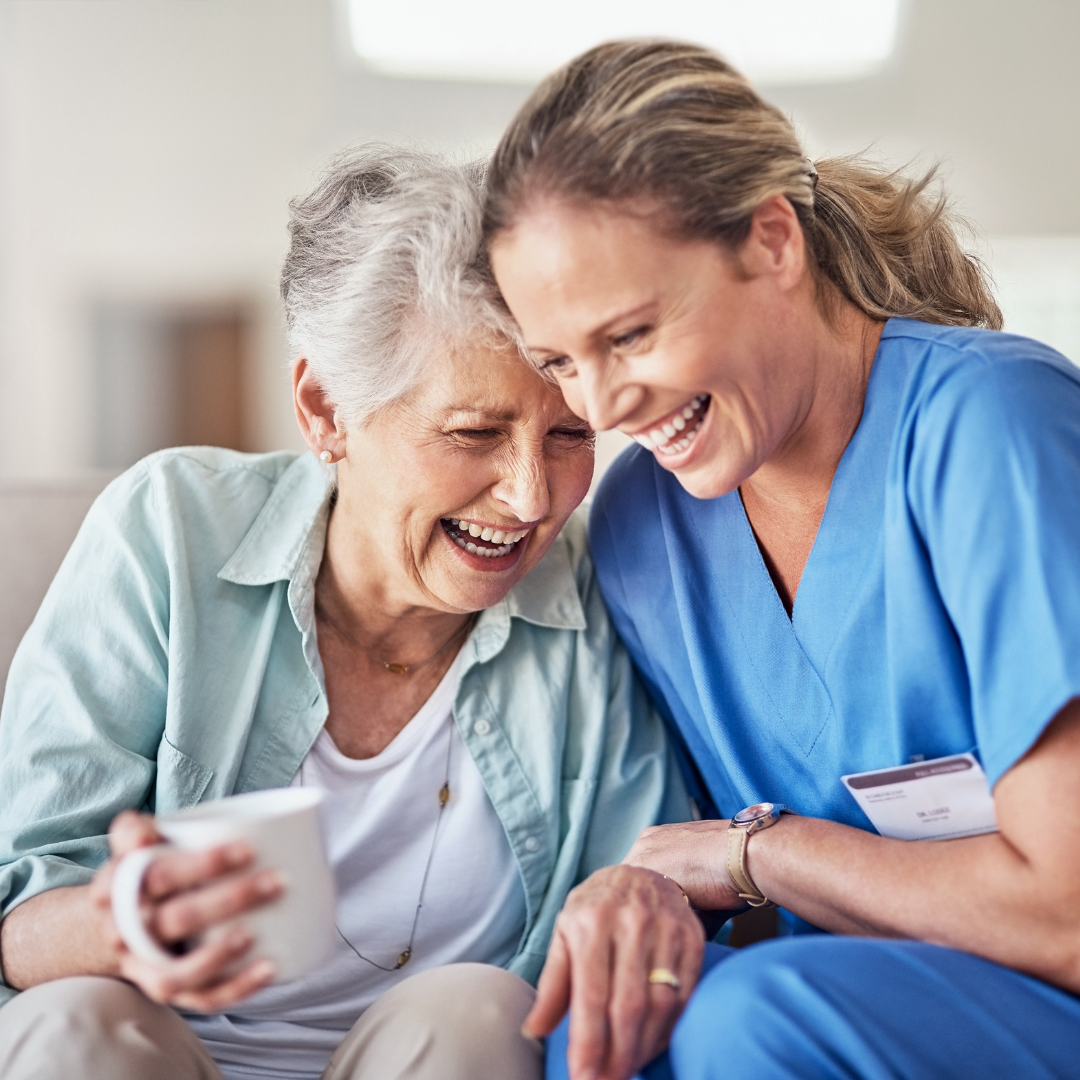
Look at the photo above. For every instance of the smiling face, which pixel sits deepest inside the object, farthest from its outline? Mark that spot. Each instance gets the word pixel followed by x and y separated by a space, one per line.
pixel 679 343
pixel 450 496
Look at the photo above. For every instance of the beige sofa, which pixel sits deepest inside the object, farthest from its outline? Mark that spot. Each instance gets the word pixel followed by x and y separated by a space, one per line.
pixel 38 521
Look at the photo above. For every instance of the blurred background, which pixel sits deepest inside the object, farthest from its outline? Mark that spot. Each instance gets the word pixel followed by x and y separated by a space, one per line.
pixel 148 149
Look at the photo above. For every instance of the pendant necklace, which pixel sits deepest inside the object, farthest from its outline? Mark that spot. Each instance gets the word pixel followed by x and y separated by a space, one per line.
pixel 395 669
pixel 444 797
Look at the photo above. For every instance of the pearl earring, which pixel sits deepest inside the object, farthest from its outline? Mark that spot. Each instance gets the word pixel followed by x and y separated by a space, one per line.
pixel 326 457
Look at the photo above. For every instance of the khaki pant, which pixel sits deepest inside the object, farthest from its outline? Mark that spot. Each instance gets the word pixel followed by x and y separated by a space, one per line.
pixel 459 1022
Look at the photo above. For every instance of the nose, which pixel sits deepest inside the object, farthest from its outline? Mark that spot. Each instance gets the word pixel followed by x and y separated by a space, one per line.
pixel 523 489
pixel 601 396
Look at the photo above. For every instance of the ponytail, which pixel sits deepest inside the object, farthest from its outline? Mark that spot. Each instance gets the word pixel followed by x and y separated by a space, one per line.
pixel 889 244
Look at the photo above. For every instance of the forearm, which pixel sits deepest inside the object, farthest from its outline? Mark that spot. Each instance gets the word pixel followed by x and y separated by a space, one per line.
pixel 978 894
pixel 54 935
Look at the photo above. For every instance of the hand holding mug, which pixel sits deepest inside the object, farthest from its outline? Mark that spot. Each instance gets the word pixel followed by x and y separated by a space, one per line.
pixel 240 884
pixel 184 894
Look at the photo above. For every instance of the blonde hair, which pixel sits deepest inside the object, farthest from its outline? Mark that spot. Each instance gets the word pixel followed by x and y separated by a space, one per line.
pixel 674 124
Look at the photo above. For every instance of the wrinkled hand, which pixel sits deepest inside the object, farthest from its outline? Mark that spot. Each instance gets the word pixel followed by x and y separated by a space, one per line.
pixel 693 853
pixel 185 894
pixel 616 927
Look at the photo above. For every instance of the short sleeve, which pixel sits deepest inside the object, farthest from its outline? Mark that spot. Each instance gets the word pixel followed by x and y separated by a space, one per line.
pixel 993 482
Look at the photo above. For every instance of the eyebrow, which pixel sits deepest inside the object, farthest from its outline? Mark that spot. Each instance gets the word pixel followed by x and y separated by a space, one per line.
pixel 501 415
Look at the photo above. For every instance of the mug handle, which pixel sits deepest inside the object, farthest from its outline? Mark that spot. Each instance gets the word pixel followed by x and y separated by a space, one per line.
pixel 127 913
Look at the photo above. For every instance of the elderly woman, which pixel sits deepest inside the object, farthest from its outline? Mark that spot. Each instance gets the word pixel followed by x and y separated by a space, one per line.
pixel 846 544
pixel 407 608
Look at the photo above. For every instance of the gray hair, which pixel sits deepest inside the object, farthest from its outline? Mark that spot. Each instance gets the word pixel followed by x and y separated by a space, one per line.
pixel 384 270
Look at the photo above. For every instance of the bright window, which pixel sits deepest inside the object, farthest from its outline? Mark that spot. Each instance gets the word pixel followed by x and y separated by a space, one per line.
pixel 772 41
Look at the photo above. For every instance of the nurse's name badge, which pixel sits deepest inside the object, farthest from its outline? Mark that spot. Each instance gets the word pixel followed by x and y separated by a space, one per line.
pixel 942 799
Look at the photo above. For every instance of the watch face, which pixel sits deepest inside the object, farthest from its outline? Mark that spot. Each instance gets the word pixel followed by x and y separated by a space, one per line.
pixel 753 813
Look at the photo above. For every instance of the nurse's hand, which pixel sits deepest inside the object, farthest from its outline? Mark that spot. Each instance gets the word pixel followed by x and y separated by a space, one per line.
pixel 693 853
pixel 185 894
pixel 618 926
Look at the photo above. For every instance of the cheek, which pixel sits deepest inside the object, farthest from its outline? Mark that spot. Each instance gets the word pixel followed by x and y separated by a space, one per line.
pixel 431 483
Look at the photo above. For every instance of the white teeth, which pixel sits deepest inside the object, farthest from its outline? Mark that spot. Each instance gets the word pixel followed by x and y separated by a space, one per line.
pixel 660 439
pixel 504 538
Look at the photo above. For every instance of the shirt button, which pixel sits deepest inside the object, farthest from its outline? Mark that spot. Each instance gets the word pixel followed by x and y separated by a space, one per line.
pixel 531 843
pixel 481 727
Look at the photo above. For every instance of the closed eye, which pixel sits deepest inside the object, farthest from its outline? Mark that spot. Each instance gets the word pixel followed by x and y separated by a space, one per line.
pixel 555 364
pixel 631 337
pixel 574 434
pixel 476 433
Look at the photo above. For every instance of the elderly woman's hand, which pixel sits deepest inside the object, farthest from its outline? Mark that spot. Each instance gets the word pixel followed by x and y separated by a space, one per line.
pixel 693 853
pixel 617 927
pixel 185 894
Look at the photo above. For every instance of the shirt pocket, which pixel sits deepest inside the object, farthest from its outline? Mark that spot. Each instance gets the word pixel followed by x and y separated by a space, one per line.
pixel 181 780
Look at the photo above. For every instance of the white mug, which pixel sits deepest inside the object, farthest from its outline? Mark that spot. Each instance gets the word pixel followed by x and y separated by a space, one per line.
pixel 283 828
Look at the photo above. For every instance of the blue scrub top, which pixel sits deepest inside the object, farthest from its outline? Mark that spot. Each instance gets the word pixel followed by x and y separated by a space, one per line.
pixel 939 611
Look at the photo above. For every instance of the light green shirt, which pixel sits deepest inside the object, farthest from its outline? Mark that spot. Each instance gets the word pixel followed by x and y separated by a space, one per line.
pixel 174 660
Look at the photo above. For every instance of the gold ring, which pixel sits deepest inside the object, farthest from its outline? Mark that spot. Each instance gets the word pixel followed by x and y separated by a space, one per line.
pixel 665 977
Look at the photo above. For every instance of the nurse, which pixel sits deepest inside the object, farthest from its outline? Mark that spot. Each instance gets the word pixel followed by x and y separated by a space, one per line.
pixel 849 541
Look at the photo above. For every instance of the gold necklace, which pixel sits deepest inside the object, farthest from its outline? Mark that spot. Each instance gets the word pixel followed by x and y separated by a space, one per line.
pixel 395 669
pixel 444 797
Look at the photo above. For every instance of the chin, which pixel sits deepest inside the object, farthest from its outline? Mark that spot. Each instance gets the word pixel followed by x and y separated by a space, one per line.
pixel 705 483
pixel 465 589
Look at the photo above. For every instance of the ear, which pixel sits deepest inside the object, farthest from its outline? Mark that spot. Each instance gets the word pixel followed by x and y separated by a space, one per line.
pixel 775 245
pixel 315 413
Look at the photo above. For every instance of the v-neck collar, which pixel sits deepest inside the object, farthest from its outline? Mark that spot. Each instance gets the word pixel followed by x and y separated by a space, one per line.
pixel 850 532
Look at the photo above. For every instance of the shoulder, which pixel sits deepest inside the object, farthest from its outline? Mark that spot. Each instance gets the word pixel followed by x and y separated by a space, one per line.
pixel 197 469
pixel 197 500
pixel 989 419
pixel 966 384
pixel 950 363
pixel 178 480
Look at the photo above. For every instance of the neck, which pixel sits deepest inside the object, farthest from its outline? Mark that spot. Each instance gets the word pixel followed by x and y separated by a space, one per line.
pixel 827 412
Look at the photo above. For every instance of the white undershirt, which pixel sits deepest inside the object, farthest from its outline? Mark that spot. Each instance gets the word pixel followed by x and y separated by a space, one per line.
pixel 380 816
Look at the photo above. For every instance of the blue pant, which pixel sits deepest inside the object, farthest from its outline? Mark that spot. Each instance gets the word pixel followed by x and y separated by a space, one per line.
pixel 820 1007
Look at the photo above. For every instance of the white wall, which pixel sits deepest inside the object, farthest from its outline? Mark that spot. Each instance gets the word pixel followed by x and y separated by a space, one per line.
pixel 148 149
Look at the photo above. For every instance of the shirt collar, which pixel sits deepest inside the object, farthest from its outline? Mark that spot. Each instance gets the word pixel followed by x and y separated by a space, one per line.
pixel 275 546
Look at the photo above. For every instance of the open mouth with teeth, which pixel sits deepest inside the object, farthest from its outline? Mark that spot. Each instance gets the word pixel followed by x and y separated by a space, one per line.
pixel 483 540
pixel 676 431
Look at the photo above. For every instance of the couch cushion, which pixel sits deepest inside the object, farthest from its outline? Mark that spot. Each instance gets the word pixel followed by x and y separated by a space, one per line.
pixel 38 521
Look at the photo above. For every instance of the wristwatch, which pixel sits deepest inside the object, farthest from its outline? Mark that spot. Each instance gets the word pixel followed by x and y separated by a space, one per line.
pixel 751 820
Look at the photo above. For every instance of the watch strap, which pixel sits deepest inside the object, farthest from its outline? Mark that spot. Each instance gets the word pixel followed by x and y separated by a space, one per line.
pixel 736 868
